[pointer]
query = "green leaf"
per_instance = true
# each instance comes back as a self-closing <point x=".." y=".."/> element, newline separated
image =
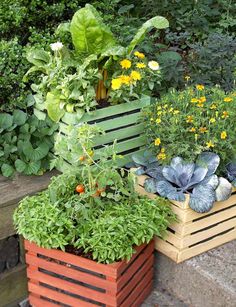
<point x="167" y="56"/>
<point x="53" y="106"/>
<point x="39" y="114"/>
<point x="19" y="117"/>
<point x="6" y="121"/>
<point x="89" y="34"/>
<point x="7" y="170"/>
<point x="157" y="22"/>
<point x="32" y="168"/>
<point x="20" y="165"/>
<point x="35" y="154"/>
<point x="38" y="57"/>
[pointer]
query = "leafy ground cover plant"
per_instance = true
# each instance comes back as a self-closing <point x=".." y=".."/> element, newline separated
<point x="180" y="178"/>
<point x="192" y="121"/>
<point x="93" y="207"/>
<point x="25" y="143"/>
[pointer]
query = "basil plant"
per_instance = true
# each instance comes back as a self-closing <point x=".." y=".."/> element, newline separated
<point x="178" y="179"/>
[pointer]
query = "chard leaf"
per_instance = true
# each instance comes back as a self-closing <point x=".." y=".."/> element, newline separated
<point x="89" y="34"/>
<point x="38" y="57"/>
<point x="165" y="189"/>
<point x="209" y="160"/>
<point x="224" y="189"/>
<point x="157" y="22"/>
<point x="202" y="198"/>
<point x="53" y="106"/>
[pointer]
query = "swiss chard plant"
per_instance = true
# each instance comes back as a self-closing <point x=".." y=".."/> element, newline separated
<point x="180" y="178"/>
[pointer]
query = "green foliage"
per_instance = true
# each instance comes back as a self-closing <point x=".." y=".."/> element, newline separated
<point x="192" y="121"/>
<point x="214" y="62"/>
<point x="25" y="143"/>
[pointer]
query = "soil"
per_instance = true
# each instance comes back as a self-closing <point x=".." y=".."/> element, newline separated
<point x="78" y="252"/>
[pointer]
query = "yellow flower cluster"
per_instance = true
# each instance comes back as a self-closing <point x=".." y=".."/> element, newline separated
<point x="125" y="80"/>
<point x="139" y="55"/>
<point x="162" y="154"/>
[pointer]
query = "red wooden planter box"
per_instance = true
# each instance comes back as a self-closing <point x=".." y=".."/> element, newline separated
<point x="59" y="278"/>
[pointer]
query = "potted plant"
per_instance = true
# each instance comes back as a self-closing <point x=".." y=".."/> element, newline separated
<point x="89" y="235"/>
<point x="191" y="137"/>
<point x="88" y="82"/>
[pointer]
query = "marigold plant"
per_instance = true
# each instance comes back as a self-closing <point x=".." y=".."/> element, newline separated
<point x="133" y="77"/>
<point x="190" y="122"/>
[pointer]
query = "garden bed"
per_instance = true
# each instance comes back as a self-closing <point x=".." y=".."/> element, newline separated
<point x="85" y="282"/>
<point x="195" y="233"/>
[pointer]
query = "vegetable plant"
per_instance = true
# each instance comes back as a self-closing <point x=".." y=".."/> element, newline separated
<point x="231" y="172"/>
<point x="92" y="206"/>
<point x="180" y="178"/>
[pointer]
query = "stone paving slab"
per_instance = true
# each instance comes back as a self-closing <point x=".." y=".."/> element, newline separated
<point x="208" y="280"/>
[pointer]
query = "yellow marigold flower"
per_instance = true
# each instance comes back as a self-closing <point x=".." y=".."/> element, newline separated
<point x="225" y="114"/>
<point x="165" y="106"/>
<point x="200" y="105"/>
<point x="228" y="99"/>
<point x="213" y="106"/>
<point x="194" y="100"/>
<point x="161" y="155"/>
<point x="203" y="129"/>
<point x="202" y="99"/>
<point x="200" y="87"/>
<point x="158" y="120"/>
<point x="151" y="119"/>
<point x="192" y="129"/>
<point x="135" y="75"/>
<point x="223" y="135"/>
<point x="157" y="142"/>
<point x="210" y="144"/>
<point x="159" y="113"/>
<point x="125" y="79"/>
<point x="187" y="78"/>
<point x="125" y="63"/>
<point x="159" y="108"/>
<point x="139" y="55"/>
<point x="212" y="120"/>
<point x="116" y="83"/>
<point x="189" y="119"/>
<point x="171" y="109"/>
<point x="140" y="65"/>
<point x="176" y="111"/>
<point x="153" y="65"/>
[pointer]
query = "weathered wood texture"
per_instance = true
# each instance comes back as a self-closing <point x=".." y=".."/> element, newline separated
<point x="86" y="283"/>
<point x="120" y="122"/>
<point x="13" y="283"/>
<point x="195" y="233"/>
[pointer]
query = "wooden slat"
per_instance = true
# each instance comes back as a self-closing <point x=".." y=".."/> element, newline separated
<point x="210" y="232"/>
<point x="138" y="288"/>
<point x="203" y="247"/>
<point x="105" y="112"/>
<point x="84" y="263"/>
<point x="71" y="287"/>
<point x="134" y="268"/>
<point x="38" y="302"/>
<point x="71" y="273"/>
<point x="167" y="249"/>
<point x="144" y="293"/>
<point x="191" y="227"/>
<point x="12" y="191"/>
<point x="57" y="296"/>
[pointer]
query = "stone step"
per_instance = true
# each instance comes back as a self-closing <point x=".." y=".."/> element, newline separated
<point x="207" y="280"/>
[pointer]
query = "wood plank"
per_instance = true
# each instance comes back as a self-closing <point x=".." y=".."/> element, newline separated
<point x="205" y="234"/>
<point x="71" y="287"/>
<point x="191" y="227"/>
<point x="38" y="302"/>
<point x="6" y="221"/>
<point x="143" y="295"/>
<point x="105" y="112"/>
<point x="12" y="191"/>
<point x="13" y="285"/>
<point x="57" y="296"/>
<point x="167" y="249"/>
<point x="106" y="269"/>
<point x="206" y="246"/>
<point x="70" y="273"/>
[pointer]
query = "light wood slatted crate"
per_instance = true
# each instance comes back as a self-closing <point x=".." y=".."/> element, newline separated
<point x="120" y="122"/>
<point x="195" y="233"/>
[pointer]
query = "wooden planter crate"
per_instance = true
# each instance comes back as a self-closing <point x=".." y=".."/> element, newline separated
<point x="120" y="122"/>
<point x="59" y="277"/>
<point x="195" y="233"/>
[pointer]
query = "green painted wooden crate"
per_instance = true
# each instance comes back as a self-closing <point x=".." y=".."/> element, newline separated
<point x="120" y="123"/>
